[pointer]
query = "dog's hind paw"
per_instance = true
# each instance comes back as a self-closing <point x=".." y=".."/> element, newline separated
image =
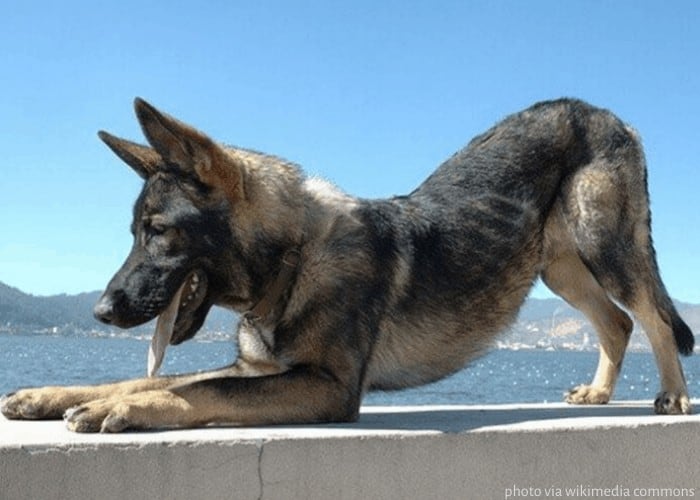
<point x="587" y="395"/>
<point x="669" y="403"/>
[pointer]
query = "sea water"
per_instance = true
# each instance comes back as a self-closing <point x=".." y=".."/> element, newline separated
<point x="501" y="376"/>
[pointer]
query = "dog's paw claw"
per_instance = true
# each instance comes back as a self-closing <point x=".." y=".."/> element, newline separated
<point x="83" y="419"/>
<point x="98" y="416"/>
<point x="114" y="423"/>
<point x="73" y="413"/>
<point x="669" y="403"/>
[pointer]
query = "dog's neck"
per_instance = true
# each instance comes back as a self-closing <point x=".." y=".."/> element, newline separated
<point x="290" y="263"/>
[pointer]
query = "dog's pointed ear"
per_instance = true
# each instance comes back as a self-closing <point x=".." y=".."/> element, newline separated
<point x="144" y="160"/>
<point x="191" y="151"/>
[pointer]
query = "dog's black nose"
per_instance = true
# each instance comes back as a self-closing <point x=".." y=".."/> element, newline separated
<point x="104" y="310"/>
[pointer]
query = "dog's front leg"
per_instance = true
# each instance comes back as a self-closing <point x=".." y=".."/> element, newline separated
<point x="51" y="402"/>
<point x="300" y="395"/>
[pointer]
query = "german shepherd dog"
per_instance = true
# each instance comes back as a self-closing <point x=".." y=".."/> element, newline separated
<point x="339" y="295"/>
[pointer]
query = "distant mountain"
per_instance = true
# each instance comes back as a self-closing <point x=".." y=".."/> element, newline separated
<point x="72" y="314"/>
<point x="553" y="324"/>
<point x="28" y="311"/>
<point x="542" y="323"/>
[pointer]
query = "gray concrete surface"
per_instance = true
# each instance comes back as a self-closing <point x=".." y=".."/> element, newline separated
<point x="466" y="452"/>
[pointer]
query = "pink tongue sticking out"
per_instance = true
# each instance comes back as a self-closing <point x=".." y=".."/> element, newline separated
<point x="164" y="331"/>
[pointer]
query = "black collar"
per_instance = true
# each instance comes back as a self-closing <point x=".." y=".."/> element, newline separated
<point x="290" y="263"/>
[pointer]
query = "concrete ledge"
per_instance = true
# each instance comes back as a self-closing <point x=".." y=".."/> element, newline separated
<point x="466" y="452"/>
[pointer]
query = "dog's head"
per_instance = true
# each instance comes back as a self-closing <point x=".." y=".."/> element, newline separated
<point x="199" y="239"/>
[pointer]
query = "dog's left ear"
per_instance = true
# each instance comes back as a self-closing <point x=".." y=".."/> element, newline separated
<point x="191" y="151"/>
<point x="144" y="160"/>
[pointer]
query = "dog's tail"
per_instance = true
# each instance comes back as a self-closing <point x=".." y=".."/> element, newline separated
<point x="683" y="336"/>
<point x="685" y="341"/>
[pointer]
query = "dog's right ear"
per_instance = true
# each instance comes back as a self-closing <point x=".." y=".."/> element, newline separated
<point x="191" y="151"/>
<point x="144" y="160"/>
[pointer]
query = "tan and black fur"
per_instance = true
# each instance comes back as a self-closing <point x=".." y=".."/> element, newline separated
<point x="340" y="295"/>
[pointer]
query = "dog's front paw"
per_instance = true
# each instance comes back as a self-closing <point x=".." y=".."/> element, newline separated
<point x="587" y="395"/>
<point x="35" y="404"/>
<point x="146" y="410"/>
<point x="669" y="403"/>
<point x="87" y="417"/>
<point x="102" y="415"/>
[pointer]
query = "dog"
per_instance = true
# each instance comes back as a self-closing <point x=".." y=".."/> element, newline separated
<point x="339" y="295"/>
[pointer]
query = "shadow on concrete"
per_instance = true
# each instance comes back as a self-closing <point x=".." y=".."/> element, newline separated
<point x="463" y="419"/>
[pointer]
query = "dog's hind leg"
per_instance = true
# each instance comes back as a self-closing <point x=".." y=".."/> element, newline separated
<point x="606" y="209"/>
<point x="663" y="325"/>
<point x="567" y="276"/>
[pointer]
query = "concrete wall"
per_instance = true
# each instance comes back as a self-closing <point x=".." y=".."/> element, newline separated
<point x="465" y="452"/>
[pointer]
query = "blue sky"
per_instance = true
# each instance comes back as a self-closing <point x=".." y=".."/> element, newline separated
<point x="370" y="95"/>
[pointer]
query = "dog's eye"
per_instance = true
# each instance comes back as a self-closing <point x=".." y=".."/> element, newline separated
<point x="153" y="225"/>
<point x="155" y="229"/>
<point x="152" y="229"/>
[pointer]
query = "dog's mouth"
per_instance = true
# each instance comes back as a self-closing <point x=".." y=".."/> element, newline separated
<point x="181" y="319"/>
